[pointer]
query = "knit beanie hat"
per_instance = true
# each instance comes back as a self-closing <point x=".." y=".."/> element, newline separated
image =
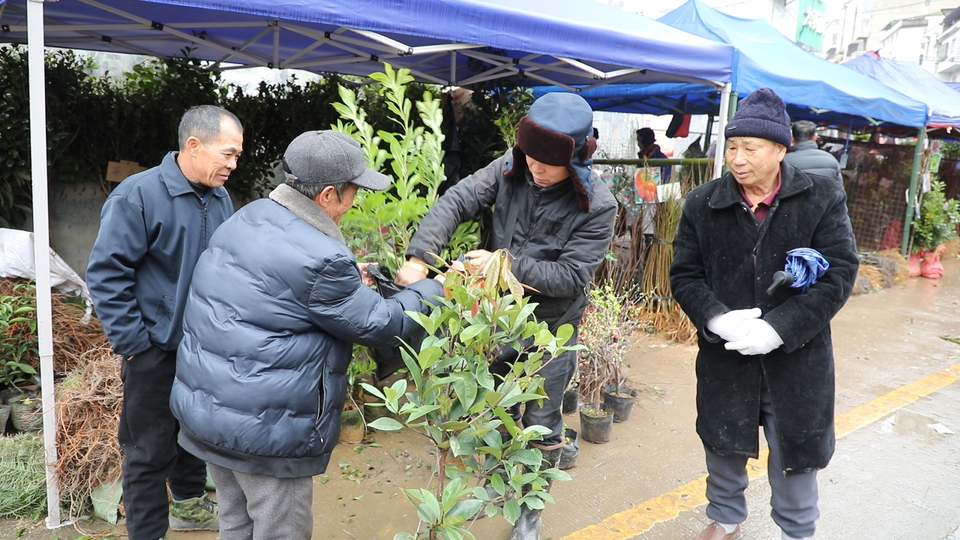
<point x="761" y="114"/>
<point x="558" y="130"/>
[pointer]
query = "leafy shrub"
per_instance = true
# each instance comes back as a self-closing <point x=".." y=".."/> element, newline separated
<point x="461" y="408"/>
<point x="938" y="219"/>
<point x="18" y="335"/>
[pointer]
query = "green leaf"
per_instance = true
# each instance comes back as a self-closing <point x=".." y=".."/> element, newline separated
<point x="386" y="424"/>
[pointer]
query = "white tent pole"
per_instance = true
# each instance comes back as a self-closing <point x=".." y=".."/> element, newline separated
<point x="41" y="251"/>
<point x="721" y="125"/>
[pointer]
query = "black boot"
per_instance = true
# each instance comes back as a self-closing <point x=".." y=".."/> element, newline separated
<point x="528" y="525"/>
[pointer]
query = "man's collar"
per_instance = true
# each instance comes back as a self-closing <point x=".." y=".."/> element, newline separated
<point x="306" y="209"/>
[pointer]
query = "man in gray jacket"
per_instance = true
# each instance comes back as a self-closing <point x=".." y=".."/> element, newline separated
<point x="153" y="227"/>
<point x="276" y="304"/>
<point x="807" y="156"/>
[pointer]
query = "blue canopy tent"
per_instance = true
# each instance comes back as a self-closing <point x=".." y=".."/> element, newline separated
<point x="449" y="42"/>
<point x="911" y="79"/>
<point x="813" y="88"/>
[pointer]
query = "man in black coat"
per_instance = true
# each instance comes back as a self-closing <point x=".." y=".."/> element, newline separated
<point x="766" y="357"/>
<point x="807" y="156"/>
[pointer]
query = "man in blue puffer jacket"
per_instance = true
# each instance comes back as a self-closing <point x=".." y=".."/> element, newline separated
<point x="276" y="303"/>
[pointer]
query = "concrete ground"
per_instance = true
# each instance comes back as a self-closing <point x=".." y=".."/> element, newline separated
<point x="895" y="475"/>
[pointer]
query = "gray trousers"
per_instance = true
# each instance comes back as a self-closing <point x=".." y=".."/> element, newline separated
<point x="256" y="507"/>
<point x="793" y="498"/>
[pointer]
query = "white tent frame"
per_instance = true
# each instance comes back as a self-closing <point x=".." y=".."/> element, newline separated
<point x="535" y="66"/>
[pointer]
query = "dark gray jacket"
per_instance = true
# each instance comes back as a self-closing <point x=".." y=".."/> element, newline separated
<point x="556" y="246"/>
<point x="724" y="259"/>
<point x="153" y="227"/>
<point x="275" y="307"/>
<point x="807" y="157"/>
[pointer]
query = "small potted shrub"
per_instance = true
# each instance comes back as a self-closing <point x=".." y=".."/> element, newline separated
<point x="605" y="332"/>
<point x="937" y="223"/>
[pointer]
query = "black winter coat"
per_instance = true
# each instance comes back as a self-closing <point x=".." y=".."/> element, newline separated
<point x="724" y="259"/>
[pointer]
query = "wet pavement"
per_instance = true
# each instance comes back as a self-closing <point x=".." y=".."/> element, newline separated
<point x="895" y="474"/>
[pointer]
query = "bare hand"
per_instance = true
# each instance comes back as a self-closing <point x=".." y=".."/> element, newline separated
<point x="411" y="272"/>
<point x="477" y="258"/>
<point x="366" y="278"/>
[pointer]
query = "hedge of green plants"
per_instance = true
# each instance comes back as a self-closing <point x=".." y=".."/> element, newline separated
<point x="92" y="121"/>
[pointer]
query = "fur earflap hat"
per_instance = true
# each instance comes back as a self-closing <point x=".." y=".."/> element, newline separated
<point x="558" y="130"/>
<point x="761" y="114"/>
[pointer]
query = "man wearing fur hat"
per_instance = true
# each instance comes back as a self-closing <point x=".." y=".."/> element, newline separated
<point x="556" y="218"/>
<point x="765" y="356"/>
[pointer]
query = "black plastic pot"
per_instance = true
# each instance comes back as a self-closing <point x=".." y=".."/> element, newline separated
<point x="571" y="449"/>
<point x="619" y="401"/>
<point x="571" y="401"/>
<point x="595" y="428"/>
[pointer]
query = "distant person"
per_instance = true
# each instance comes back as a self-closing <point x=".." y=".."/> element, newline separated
<point x="153" y="227"/>
<point x="765" y="358"/>
<point x="807" y="156"/>
<point x="649" y="148"/>
<point x="276" y="304"/>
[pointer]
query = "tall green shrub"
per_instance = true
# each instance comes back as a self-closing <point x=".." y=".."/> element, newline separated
<point x="462" y="409"/>
<point x="381" y="223"/>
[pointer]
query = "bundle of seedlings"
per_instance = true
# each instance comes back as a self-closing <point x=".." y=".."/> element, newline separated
<point x="89" y="400"/>
<point x="668" y="319"/>
<point x="22" y="477"/>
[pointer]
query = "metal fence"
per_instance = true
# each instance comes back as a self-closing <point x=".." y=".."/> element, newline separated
<point x="876" y="178"/>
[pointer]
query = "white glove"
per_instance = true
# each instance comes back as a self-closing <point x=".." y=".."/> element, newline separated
<point x="761" y="338"/>
<point x="729" y="326"/>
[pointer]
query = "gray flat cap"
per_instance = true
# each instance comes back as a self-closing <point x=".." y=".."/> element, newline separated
<point x="329" y="157"/>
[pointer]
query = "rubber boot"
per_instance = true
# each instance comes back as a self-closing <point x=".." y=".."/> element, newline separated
<point x="528" y="525"/>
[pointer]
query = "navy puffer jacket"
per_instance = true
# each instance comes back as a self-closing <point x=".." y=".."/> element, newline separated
<point x="273" y="310"/>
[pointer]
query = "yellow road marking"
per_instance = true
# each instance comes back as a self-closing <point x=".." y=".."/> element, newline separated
<point x="641" y="518"/>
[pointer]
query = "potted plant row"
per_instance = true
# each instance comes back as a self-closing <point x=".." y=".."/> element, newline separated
<point x="605" y="331"/>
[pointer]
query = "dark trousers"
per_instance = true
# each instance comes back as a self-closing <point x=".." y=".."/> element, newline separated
<point x="556" y="373"/>
<point x="793" y="498"/>
<point x="148" y="438"/>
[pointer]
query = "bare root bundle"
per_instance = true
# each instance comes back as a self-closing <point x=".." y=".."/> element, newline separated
<point x="872" y="275"/>
<point x="89" y="412"/>
<point x="71" y="338"/>
<point x="901" y="271"/>
<point x="952" y="247"/>
<point x="671" y="322"/>
<point x="629" y="251"/>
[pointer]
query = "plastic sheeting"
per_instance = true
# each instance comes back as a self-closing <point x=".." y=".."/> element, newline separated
<point x="17" y="261"/>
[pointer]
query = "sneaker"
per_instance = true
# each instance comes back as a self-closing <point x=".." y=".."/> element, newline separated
<point x="196" y="514"/>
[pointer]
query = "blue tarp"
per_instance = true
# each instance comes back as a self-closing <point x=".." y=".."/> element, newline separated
<point x="812" y="87"/>
<point x="911" y="79"/>
<point x="529" y="42"/>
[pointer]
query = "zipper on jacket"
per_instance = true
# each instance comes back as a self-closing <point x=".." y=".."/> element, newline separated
<point x="531" y="222"/>
<point x="203" y="220"/>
